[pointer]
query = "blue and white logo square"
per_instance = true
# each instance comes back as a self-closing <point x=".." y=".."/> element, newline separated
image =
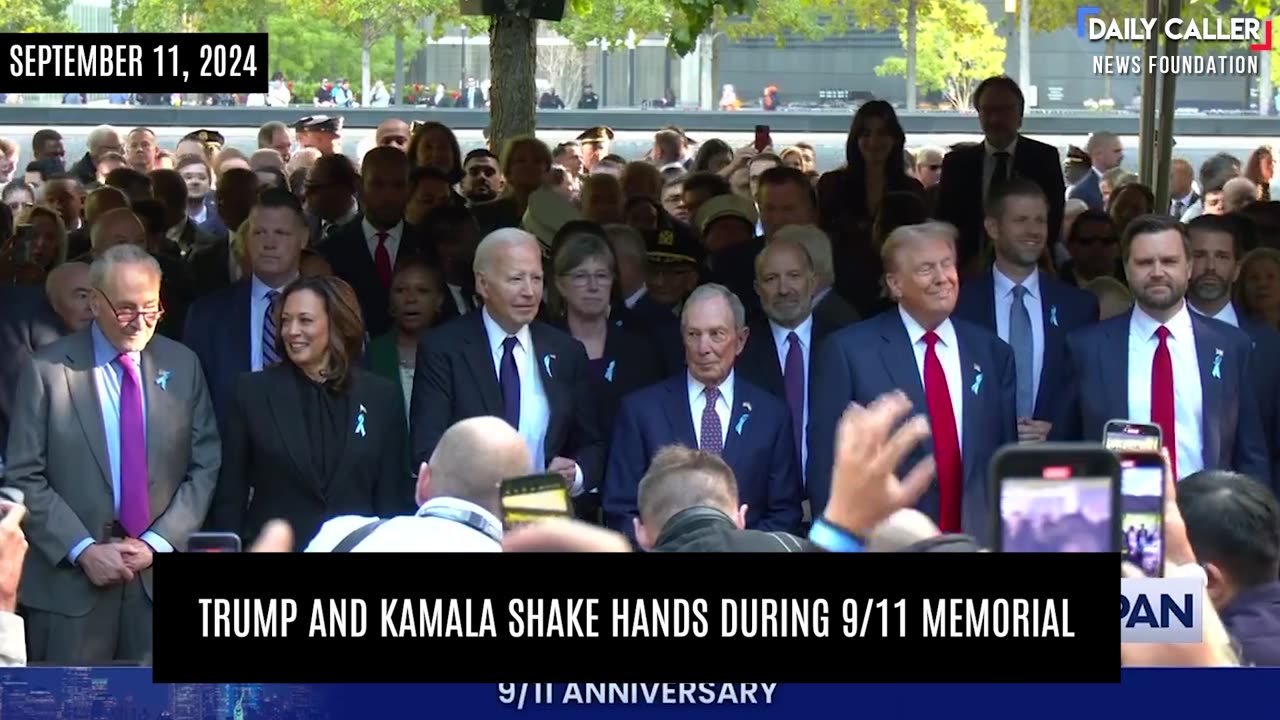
<point x="1161" y="610"/>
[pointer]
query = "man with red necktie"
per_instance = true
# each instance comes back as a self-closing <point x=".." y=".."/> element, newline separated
<point x="1163" y="364"/>
<point x="959" y="374"/>
<point x="366" y="251"/>
<point x="115" y="447"/>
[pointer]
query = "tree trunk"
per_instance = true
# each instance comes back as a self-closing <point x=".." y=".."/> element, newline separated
<point x="513" y="55"/>
<point x="913" y="11"/>
<point x="366" y="47"/>
<point x="397" y="93"/>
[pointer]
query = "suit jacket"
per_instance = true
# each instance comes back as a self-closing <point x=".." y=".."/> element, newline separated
<point x="834" y="312"/>
<point x="1089" y="189"/>
<point x="758" y="446"/>
<point x="455" y="380"/>
<point x="265" y="449"/>
<point x="1264" y="374"/>
<point x="1064" y="308"/>
<point x="210" y="267"/>
<point x="862" y="362"/>
<point x="960" y="194"/>
<point x="661" y="324"/>
<point x="348" y="254"/>
<point x="1099" y="391"/>
<point x="58" y="457"/>
<point x="218" y="333"/>
<point x="27" y="324"/>
<point x="630" y="362"/>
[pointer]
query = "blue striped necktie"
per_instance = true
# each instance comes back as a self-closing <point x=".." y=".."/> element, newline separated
<point x="269" y="355"/>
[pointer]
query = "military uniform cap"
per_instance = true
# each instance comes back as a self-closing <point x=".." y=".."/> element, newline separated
<point x="206" y="137"/>
<point x="597" y="134"/>
<point x="319" y="123"/>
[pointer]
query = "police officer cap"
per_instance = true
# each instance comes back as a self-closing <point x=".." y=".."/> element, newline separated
<point x="206" y="137"/>
<point x="672" y="246"/>
<point x="319" y="123"/>
<point x="597" y="134"/>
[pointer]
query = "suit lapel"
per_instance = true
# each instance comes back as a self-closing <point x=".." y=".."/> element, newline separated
<point x="973" y="368"/>
<point x="1054" y="339"/>
<point x="84" y="396"/>
<point x="480" y="361"/>
<point x="900" y="359"/>
<point x="557" y="394"/>
<point x="1209" y="354"/>
<point x="157" y="404"/>
<point x="285" y="403"/>
<point x="1115" y="369"/>
<point x="355" y="401"/>
<point x="679" y="411"/>
<point x="739" y="422"/>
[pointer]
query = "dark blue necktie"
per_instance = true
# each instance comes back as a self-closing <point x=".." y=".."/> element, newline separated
<point x="509" y="379"/>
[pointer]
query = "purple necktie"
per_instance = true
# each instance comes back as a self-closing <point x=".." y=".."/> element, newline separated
<point x="712" y="431"/>
<point x="793" y="379"/>
<point x="509" y="379"/>
<point x="135" y="502"/>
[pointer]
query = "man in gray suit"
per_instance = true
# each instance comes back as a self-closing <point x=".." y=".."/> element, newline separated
<point x="115" y="445"/>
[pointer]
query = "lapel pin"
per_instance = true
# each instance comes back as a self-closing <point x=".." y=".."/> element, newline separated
<point x="747" y="406"/>
<point x="608" y="372"/>
<point x="742" y="421"/>
<point x="1217" y="364"/>
<point x="1053" y="315"/>
<point x="546" y="363"/>
<point x="360" y="421"/>
<point x="162" y="379"/>
<point x="977" y="381"/>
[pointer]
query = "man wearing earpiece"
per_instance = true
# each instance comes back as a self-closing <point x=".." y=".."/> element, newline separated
<point x="688" y="502"/>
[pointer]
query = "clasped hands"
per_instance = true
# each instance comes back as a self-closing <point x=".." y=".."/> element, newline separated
<point x="115" y="562"/>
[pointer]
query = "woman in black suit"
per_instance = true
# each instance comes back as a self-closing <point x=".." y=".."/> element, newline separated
<point x="314" y="436"/>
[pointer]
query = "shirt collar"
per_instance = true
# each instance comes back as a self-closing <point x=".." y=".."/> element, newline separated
<point x="104" y="353"/>
<point x="696" y="388"/>
<point x="1227" y="314"/>
<point x="371" y="232"/>
<point x="1004" y="284"/>
<point x="992" y="149"/>
<point x="497" y="335"/>
<point x="946" y="331"/>
<point x="260" y="288"/>
<point x="1144" y="326"/>
<point x="804" y="331"/>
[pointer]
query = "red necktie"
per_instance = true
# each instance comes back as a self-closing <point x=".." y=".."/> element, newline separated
<point x="946" y="442"/>
<point x="382" y="261"/>
<point x="1162" y="412"/>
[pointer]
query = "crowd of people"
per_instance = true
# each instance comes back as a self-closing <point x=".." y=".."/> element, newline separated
<point x="198" y="339"/>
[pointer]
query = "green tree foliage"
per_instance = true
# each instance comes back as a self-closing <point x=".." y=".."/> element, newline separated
<point x="32" y="16"/>
<point x="958" y="47"/>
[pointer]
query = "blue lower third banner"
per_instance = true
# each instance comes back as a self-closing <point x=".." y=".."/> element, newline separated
<point x="130" y="694"/>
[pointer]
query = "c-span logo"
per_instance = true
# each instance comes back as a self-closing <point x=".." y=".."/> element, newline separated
<point x="1161" y="610"/>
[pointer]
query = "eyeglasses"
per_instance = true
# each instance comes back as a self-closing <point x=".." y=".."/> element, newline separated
<point x="583" y="279"/>
<point x="128" y="315"/>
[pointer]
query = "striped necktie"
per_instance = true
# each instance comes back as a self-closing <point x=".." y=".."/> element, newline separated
<point x="269" y="355"/>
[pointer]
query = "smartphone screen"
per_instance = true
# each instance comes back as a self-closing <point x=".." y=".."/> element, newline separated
<point x="763" y="138"/>
<point x="213" y="542"/>
<point x="1142" y="511"/>
<point x="1122" y="436"/>
<point x="1051" y="514"/>
<point x="533" y="498"/>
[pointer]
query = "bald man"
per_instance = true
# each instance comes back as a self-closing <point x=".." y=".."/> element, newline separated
<point x="457" y="498"/>
<point x="122" y="227"/>
<point x="392" y="132"/>
<point x="69" y="291"/>
<point x="503" y="362"/>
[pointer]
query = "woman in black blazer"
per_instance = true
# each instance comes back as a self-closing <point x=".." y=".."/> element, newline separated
<point x="314" y="436"/>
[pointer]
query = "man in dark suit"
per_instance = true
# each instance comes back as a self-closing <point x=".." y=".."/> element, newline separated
<point x="331" y="189"/>
<point x="500" y="361"/>
<point x="1163" y="364"/>
<point x="1031" y="311"/>
<point x="780" y="348"/>
<point x="365" y="252"/>
<point x="709" y="408"/>
<point x="1106" y="152"/>
<point x="233" y="331"/>
<point x="27" y="324"/>
<point x="1216" y="251"/>
<point x="969" y="173"/>
<point x="115" y="447"/>
<point x="211" y="264"/>
<point x="959" y="374"/>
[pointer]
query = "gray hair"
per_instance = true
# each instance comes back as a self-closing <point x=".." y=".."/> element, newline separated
<point x="100" y="133"/>
<point x="626" y="241"/>
<point x="710" y="291"/>
<point x="817" y="243"/>
<point x="499" y="240"/>
<point x="1096" y="140"/>
<point x="455" y="472"/>
<point x="788" y="241"/>
<point x="103" y="267"/>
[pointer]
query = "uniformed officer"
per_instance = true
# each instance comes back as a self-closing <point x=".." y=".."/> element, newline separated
<point x="210" y="143"/>
<point x="321" y="132"/>
<point x="595" y="145"/>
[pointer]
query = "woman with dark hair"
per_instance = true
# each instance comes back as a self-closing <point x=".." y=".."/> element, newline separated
<point x="1261" y="169"/>
<point x="850" y="198"/>
<point x="433" y="144"/>
<point x="417" y="299"/>
<point x="714" y="155"/>
<point x="313" y="436"/>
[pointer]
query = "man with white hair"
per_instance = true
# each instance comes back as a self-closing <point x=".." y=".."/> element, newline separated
<point x="457" y="497"/>
<point x="503" y="362"/>
<point x="115" y="447"/>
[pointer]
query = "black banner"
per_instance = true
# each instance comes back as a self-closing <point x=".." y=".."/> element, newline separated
<point x="202" y="63"/>
<point x="818" y="617"/>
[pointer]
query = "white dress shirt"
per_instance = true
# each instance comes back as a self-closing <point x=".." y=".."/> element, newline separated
<point x="723" y="407"/>
<point x="1227" y="314"/>
<point x="392" y="242"/>
<point x="535" y="409"/>
<point x="1034" y="302"/>
<point x="948" y="351"/>
<point x="803" y="331"/>
<point x="258" y="304"/>
<point x="989" y="162"/>
<point x="412" y="533"/>
<point x="1188" y="396"/>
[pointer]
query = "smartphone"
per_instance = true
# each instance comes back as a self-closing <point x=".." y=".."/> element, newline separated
<point x="1124" y="436"/>
<point x="213" y="542"/>
<point x="534" y="497"/>
<point x="1056" y="497"/>
<point x="764" y="139"/>
<point x="23" y="238"/>
<point x="1142" y="510"/>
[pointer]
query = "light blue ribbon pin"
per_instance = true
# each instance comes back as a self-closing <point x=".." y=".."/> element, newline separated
<point x="1217" y="365"/>
<point x="1053" y="316"/>
<point x="162" y="379"/>
<point x="360" y="422"/>
<point x="608" y="372"/>
<point x="741" y="421"/>
<point x="546" y="363"/>
<point x="977" y="381"/>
